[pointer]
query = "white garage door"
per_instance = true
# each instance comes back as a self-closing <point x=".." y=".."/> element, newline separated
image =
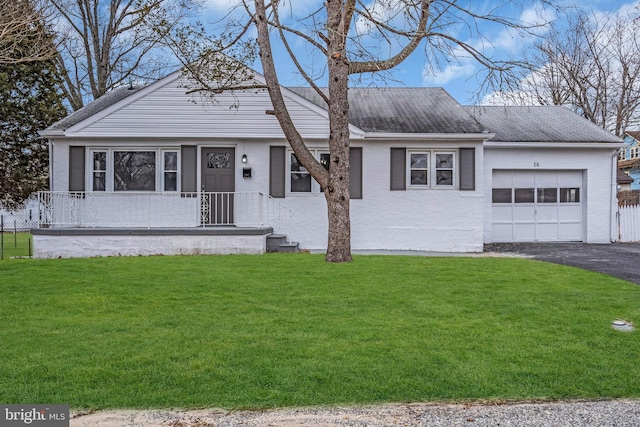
<point x="537" y="206"/>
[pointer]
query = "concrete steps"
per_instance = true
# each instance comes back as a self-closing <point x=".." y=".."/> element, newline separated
<point x="278" y="243"/>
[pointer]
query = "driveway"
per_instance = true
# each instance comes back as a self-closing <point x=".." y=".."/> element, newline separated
<point x="620" y="260"/>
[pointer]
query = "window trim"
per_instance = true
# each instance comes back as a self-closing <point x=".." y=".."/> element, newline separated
<point x="109" y="173"/>
<point x="432" y="170"/>
<point x="164" y="170"/>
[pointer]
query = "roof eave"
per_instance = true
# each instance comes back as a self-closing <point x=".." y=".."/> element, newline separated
<point x="428" y="136"/>
<point x="51" y="133"/>
<point x="555" y="144"/>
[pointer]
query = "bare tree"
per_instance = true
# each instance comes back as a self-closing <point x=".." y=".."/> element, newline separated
<point x="353" y="38"/>
<point x="107" y="43"/>
<point x="23" y="32"/>
<point x="591" y="64"/>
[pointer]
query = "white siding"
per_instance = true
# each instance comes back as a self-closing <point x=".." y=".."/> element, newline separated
<point x="167" y="111"/>
<point x="439" y="220"/>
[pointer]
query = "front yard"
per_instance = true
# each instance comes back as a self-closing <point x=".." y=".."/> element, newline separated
<point x="291" y="330"/>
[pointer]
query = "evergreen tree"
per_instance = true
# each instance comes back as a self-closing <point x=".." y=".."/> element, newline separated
<point x="29" y="101"/>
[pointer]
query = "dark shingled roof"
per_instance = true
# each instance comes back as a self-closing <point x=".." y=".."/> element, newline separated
<point x="94" y="107"/>
<point x="402" y="110"/>
<point x="623" y="178"/>
<point x="539" y="124"/>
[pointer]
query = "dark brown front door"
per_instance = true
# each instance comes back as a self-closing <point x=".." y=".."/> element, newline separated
<point x="218" y="184"/>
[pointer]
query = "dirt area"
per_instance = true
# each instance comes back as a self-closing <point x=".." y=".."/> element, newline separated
<point x="593" y="414"/>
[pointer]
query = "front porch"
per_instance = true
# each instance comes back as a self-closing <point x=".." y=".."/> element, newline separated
<point x="88" y="224"/>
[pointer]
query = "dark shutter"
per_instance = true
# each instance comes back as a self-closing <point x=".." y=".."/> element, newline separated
<point x="189" y="168"/>
<point x="277" y="172"/>
<point x="355" y="178"/>
<point x="76" y="168"/>
<point x="467" y="169"/>
<point x="398" y="169"/>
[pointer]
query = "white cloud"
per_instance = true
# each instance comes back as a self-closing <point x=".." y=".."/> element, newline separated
<point x="511" y="40"/>
<point x="448" y="74"/>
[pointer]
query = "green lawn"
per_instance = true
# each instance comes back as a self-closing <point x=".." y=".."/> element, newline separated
<point x="290" y="329"/>
<point x="15" y="245"/>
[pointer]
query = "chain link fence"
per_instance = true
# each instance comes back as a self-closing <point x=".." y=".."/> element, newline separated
<point x="15" y="239"/>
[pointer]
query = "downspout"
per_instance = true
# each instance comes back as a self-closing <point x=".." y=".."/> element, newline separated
<point x="50" y="165"/>
<point x="614" y="223"/>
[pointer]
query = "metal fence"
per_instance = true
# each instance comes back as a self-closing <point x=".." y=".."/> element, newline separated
<point x="22" y="219"/>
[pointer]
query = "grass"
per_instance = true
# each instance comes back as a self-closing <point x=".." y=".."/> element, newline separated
<point x="292" y="330"/>
<point x="15" y="245"/>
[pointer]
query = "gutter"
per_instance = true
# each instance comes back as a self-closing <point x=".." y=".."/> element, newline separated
<point x="427" y="136"/>
<point x="559" y="144"/>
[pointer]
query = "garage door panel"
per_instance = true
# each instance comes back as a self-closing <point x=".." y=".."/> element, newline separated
<point x="523" y="179"/>
<point x="502" y="179"/>
<point x="502" y="232"/>
<point x="570" y="232"/>
<point x="570" y="178"/>
<point x="547" y="213"/>
<point x="523" y="213"/>
<point x="503" y="214"/>
<point x="547" y="231"/>
<point x="570" y="213"/>
<point x="546" y="179"/>
<point x="524" y="232"/>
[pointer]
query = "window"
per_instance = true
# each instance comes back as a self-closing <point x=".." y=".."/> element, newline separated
<point x="134" y="170"/>
<point x="99" y="170"/>
<point x="524" y="195"/>
<point x="501" y="195"/>
<point x="635" y="152"/>
<point x="548" y="195"/>
<point x="431" y="169"/>
<point x="170" y="169"/>
<point x="569" y="195"/>
<point x="444" y="169"/>
<point x="419" y="169"/>
<point x="300" y="180"/>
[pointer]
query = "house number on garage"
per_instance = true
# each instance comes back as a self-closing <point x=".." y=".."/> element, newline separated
<point x="536" y="164"/>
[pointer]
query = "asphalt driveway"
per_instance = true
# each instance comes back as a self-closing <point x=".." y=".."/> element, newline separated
<point x="620" y="260"/>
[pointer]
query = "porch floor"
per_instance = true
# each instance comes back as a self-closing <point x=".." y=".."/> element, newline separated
<point x="217" y="230"/>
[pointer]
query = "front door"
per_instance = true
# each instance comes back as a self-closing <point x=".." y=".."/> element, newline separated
<point x="218" y="185"/>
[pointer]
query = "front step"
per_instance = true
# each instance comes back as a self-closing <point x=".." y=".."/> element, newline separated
<point x="278" y="243"/>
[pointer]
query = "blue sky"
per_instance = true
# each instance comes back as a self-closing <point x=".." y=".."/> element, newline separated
<point x="459" y="74"/>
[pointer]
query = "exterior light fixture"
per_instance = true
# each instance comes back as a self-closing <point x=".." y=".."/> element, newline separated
<point x="244" y="158"/>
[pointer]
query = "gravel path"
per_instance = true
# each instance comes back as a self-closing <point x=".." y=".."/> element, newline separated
<point x="618" y="413"/>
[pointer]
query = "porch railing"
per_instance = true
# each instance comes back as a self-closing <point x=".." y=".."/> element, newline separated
<point x="161" y="210"/>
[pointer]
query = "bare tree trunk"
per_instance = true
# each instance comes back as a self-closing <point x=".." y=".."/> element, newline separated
<point x="337" y="192"/>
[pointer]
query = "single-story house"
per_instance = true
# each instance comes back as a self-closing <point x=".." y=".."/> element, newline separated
<point x="154" y="170"/>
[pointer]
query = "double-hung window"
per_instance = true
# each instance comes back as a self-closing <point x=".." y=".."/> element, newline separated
<point x="134" y="170"/>
<point x="300" y="180"/>
<point x="431" y="169"/>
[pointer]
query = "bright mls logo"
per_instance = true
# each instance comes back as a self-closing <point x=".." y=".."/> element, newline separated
<point x="34" y="415"/>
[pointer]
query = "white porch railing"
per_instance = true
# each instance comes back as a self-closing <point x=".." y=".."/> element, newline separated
<point x="629" y="223"/>
<point x="161" y="210"/>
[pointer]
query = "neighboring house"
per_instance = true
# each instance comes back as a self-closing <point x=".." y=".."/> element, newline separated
<point x="629" y="158"/>
<point x="155" y="170"/>
<point x="624" y="181"/>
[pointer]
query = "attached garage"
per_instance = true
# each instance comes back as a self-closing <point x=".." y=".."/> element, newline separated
<point x="548" y="176"/>
<point x="537" y="205"/>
